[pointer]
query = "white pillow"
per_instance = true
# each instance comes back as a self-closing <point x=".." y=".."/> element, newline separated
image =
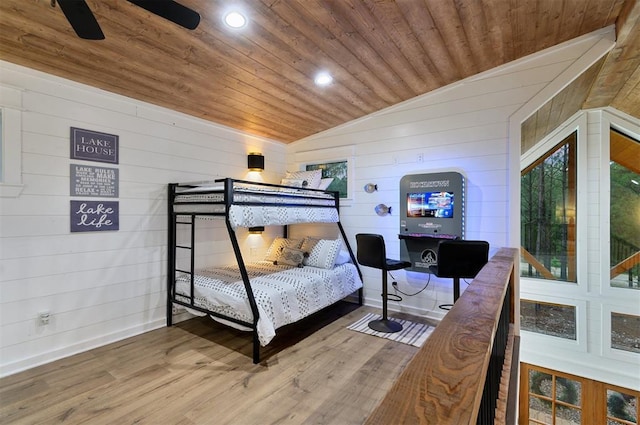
<point x="293" y="182"/>
<point x="324" y="183"/>
<point x="311" y="177"/>
<point x="343" y="257"/>
<point x="323" y="254"/>
<point x="278" y="244"/>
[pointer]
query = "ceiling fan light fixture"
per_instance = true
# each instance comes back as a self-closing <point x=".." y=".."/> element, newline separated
<point x="235" y="19"/>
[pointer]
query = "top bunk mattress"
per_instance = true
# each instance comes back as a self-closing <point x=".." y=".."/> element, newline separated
<point x="258" y="205"/>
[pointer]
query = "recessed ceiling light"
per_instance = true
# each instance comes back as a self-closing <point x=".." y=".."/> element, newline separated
<point x="323" y="79"/>
<point x="235" y="20"/>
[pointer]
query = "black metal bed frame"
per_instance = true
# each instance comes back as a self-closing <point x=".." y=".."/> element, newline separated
<point x="179" y="218"/>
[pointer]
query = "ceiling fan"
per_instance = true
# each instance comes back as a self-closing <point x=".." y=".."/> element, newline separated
<point x="84" y="23"/>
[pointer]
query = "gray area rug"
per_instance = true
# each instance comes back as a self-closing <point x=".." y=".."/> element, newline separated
<point x="412" y="333"/>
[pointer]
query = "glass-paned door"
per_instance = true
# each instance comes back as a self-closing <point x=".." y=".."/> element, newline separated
<point x="622" y="407"/>
<point x="553" y="399"/>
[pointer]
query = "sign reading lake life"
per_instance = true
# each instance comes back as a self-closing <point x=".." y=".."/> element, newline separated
<point x="94" y="181"/>
<point x="94" y="216"/>
<point x="94" y="146"/>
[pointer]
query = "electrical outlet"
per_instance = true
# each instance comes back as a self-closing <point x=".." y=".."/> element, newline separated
<point x="420" y="157"/>
<point x="44" y="317"/>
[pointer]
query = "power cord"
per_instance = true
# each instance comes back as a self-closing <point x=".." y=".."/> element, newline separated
<point x="394" y="283"/>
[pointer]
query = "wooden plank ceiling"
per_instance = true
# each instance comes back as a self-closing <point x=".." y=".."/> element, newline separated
<point x="260" y="79"/>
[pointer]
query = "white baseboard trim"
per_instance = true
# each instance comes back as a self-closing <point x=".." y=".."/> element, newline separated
<point x="80" y="347"/>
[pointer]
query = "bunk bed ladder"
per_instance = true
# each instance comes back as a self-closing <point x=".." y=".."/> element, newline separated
<point x="192" y="253"/>
<point x="174" y="220"/>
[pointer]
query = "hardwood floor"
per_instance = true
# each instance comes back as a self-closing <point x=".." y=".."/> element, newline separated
<point x="200" y="372"/>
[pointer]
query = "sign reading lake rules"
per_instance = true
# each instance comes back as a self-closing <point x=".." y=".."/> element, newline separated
<point x="94" y="146"/>
<point x="94" y="216"/>
<point x="99" y="182"/>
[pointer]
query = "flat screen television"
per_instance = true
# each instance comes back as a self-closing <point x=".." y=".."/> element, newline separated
<point x="430" y="204"/>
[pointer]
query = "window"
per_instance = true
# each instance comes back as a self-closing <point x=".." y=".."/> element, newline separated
<point x="624" y="253"/>
<point x="625" y="332"/>
<point x="10" y="142"/>
<point x="548" y="214"/>
<point x="554" y="398"/>
<point x="557" y="320"/>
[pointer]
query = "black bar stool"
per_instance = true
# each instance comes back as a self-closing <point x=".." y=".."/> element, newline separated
<point x="372" y="253"/>
<point x="459" y="259"/>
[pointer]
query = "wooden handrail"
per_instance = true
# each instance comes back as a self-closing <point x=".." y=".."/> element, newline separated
<point x="529" y="258"/>
<point x="625" y="265"/>
<point x="444" y="382"/>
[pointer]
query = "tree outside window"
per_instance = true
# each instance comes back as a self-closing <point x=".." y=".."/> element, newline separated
<point x="548" y="214"/>
<point x="624" y="253"/>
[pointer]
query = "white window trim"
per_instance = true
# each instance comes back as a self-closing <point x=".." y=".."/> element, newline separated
<point x="11" y="104"/>
<point x="539" y="285"/>
<point x="607" y="350"/>
<point x="534" y="339"/>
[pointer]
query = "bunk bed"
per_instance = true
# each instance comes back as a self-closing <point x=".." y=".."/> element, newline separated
<point x="260" y="296"/>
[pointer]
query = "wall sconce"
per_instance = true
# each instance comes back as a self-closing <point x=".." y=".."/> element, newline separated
<point x="370" y="187"/>
<point x="255" y="161"/>
<point x="256" y="230"/>
<point x="382" y="210"/>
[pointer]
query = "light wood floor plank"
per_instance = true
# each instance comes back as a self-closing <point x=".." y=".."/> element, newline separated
<point x="200" y="372"/>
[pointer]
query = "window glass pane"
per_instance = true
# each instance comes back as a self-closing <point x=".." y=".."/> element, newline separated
<point x="540" y="410"/>
<point x="622" y="406"/>
<point x="625" y="332"/>
<point x="548" y="215"/>
<point x="549" y="319"/>
<point x="568" y="391"/>
<point x="625" y="211"/>
<point x="540" y="383"/>
<point x="568" y="415"/>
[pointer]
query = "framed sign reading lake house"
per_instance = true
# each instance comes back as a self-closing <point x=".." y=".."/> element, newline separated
<point x="91" y="145"/>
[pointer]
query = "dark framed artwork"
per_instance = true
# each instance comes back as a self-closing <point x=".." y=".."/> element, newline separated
<point x="338" y="171"/>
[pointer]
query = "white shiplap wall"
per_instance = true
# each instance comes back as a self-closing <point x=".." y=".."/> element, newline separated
<point x="463" y="127"/>
<point x="99" y="286"/>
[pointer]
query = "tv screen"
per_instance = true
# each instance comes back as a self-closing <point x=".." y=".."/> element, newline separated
<point x="430" y="204"/>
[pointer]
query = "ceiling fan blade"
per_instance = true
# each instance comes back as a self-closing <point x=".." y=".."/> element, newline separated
<point x="81" y="18"/>
<point x="171" y="10"/>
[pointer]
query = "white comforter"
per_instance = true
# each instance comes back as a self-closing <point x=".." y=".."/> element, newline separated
<point x="284" y="294"/>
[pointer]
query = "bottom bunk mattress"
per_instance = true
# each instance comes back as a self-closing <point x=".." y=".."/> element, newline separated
<point x="283" y="294"/>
